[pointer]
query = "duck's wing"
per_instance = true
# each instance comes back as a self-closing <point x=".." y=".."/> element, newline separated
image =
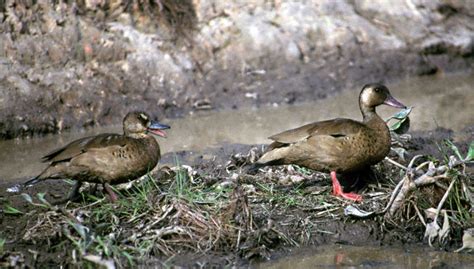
<point x="316" y="145"/>
<point x="81" y="145"/>
<point x="334" y="128"/>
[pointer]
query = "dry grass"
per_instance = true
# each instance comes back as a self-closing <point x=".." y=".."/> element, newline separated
<point x="227" y="213"/>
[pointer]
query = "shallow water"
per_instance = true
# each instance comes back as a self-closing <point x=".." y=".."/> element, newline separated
<point x="446" y="101"/>
<point x="343" y="256"/>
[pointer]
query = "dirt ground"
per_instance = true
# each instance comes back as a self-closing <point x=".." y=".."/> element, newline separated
<point x="299" y="212"/>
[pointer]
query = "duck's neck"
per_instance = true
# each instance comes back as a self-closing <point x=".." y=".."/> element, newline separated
<point x="136" y="135"/>
<point x="368" y="113"/>
<point x="381" y="133"/>
<point x="372" y="119"/>
<point x="153" y="149"/>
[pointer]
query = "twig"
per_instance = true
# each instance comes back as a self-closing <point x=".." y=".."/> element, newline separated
<point x="395" y="163"/>
<point x="445" y="196"/>
<point x="413" y="161"/>
<point x="92" y="204"/>
<point x="162" y="217"/>
<point x="392" y="197"/>
<point x="420" y="216"/>
<point x="407" y="185"/>
<point x="422" y="165"/>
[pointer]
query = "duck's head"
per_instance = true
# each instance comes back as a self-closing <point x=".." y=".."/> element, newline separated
<point x="138" y="124"/>
<point x="375" y="94"/>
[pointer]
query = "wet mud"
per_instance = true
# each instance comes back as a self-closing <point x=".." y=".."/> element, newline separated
<point x="295" y="222"/>
<point x="299" y="214"/>
<point x="334" y="256"/>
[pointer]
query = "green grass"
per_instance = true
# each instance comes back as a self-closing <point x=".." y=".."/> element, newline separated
<point x="303" y="170"/>
<point x="457" y="202"/>
<point x="292" y="197"/>
<point x="9" y="210"/>
<point x="100" y="232"/>
<point x="2" y="245"/>
<point x="183" y="188"/>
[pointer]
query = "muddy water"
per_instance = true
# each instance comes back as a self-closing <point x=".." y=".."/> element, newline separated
<point x="446" y="101"/>
<point x="337" y="256"/>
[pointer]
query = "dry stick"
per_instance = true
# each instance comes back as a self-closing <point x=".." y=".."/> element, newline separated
<point x="395" y="193"/>
<point x="438" y="209"/>
<point x="407" y="186"/>
<point x="427" y="178"/>
<point x="420" y="216"/>
<point x="395" y="163"/>
<point x="410" y="185"/>
<point x="239" y="234"/>
<point x="445" y="196"/>
<point x="413" y="161"/>
<point x="165" y="231"/>
<point x="392" y="197"/>
<point x="422" y="165"/>
<point x="162" y="217"/>
<point x="91" y="204"/>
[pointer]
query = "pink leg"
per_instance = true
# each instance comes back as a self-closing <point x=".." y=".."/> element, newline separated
<point x="337" y="190"/>
<point x="112" y="195"/>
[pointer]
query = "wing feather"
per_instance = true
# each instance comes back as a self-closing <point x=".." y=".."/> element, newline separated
<point x="334" y="128"/>
<point x="80" y="146"/>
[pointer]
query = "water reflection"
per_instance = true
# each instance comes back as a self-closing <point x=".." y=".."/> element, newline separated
<point x="339" y="256"/>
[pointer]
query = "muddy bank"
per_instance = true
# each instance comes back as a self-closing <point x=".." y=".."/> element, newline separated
<point x="86" y="64"/>
<point x="210" y="212"/>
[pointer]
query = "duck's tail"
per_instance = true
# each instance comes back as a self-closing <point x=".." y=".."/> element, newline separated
<point x="20" y="186"/>
<point x="31" y="182"/>
<point x="252" y="169"/>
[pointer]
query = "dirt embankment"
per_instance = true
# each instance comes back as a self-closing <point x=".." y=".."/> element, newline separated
<point x="87" y="63"/>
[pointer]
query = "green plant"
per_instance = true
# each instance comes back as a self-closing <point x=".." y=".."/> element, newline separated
<point x="2" y="244"/>
<point x="401" y="119"/>
<point x="9" y="210"/>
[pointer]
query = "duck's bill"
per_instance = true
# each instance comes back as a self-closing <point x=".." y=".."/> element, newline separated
<point x="390" y="101"/>
<point x="157" y="129"/>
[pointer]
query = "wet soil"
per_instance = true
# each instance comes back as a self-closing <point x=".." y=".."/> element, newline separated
<point x="215" y="161"/>
<point x="292" y="220"/>
<point x="341" y="256"/>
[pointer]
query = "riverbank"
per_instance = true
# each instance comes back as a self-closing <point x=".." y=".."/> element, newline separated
<point x="74" y="66"/>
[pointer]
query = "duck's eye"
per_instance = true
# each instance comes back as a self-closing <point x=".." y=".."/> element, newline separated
<point x="377" y="90"/>
<point x="143" y="116"/>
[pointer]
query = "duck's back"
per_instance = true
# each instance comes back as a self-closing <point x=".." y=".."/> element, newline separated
<point x="341" y="145"/>
<point x="106" y="158"/>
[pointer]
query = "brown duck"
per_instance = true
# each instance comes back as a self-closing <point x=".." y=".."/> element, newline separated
<point x="107" y="158"/>
<point x="338" y="145"/>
